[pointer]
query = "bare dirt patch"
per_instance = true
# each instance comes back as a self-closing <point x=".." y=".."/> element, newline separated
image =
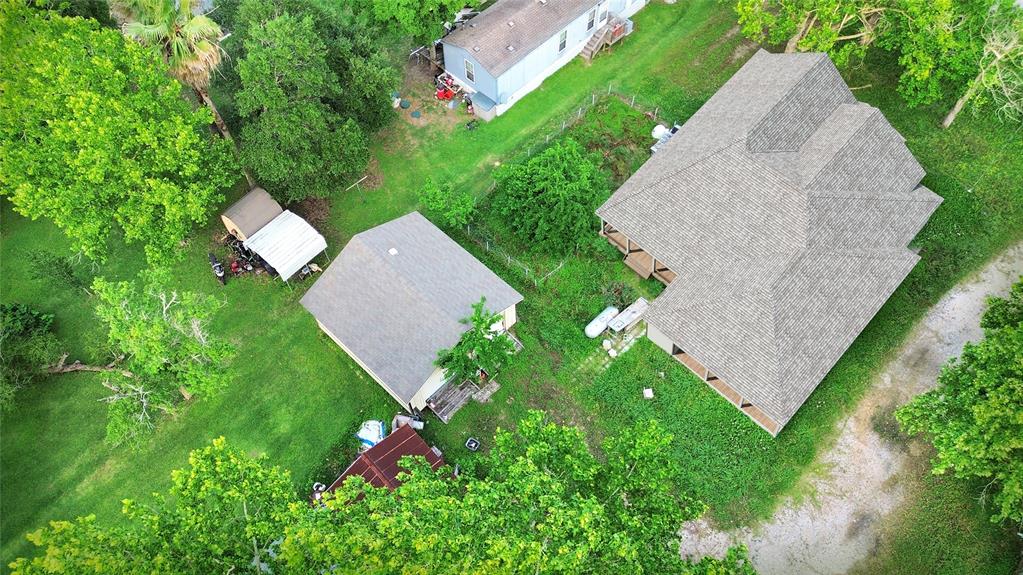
<point x="866" y="475"/>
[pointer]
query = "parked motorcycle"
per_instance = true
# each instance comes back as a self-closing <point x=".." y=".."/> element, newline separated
<point x="218" y="270"/>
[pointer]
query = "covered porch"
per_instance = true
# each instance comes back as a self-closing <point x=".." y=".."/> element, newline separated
<point x="641" y="262"/>
<point x="694" y="365"/>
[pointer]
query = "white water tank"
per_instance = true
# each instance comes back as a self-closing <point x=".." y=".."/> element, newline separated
<point x="660" y="130"/>
<point x="599" y="323"/>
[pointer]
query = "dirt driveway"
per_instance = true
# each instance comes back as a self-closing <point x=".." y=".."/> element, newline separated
<point x="860" y="482"/>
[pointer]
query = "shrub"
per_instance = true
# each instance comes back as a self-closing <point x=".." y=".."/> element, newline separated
<point x="549" y="200"/>
<point x="27" y="344"/>
<point x="453" y="209"/>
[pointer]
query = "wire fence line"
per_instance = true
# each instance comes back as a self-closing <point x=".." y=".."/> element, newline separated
<point x="566" y="121"/>
<point x="534" y="273"/>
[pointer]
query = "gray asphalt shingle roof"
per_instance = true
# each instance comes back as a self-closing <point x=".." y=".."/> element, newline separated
<point x="395" y="311"/>
<point x="785" y="206"/>
<point x="488" y="36"/>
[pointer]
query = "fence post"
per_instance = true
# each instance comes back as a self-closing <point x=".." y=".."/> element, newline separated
<point x="593" y="99"/>
<point x="547" y="140"/>
<point x="562" y="125"/>
<point x="657" y="109"/>
<point x="609" y="88"/>
<point x="580" y="114"/>
<point x="633" y="104"/>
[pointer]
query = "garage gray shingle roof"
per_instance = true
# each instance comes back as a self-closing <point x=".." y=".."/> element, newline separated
<point x="395" y="311"/>
<point x="785" y="207"/>
<point x="488" y="36"/>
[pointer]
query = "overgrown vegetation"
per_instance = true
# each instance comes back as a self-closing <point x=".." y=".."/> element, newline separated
<point x="451" y="208"/>
<point x="27" y="346"/>
<point x="549" y="199"/>
<point x="973" y="417"/>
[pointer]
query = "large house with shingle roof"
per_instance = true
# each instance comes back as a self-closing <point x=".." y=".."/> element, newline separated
<point x="395" y="296"/>
<point x="508" y="50"/>
<point x="779" y="217"/>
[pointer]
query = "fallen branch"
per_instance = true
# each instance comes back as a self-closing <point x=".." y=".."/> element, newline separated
<point x="60" y="367"/>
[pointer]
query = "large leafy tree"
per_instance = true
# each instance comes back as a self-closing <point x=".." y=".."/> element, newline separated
<point x="95" y="136"/>
<point x="549" y="200"/>
<point x="292" y="139"/>
<point x="975" y="416"/>
<point x="188" y="42"/>
<point x="422" y="20"/>
<point x="480" y="347"/>
<point x="842" y="28"/>
<point x="164" y="352"/>
<point x="541" y="502"/>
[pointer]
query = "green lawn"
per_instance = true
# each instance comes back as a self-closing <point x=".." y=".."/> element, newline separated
<point x="296" y="397"/>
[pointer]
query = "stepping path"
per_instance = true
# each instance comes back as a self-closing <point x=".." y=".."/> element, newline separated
<point x="837" y="527"/>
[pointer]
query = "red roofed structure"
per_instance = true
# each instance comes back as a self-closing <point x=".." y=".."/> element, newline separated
<point x="379" y="465"/>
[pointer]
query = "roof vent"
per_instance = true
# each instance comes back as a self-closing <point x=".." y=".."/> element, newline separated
<point x="475" y="48"/>
<point x="511" y="48"/>
<point x="392" y="251"/>
<point x="511" y="23"/>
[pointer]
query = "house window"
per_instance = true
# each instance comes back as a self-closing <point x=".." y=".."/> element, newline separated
<point x="591" y="19"/>
<point x="470" y="72"/>
<point x="562" y="40"/>
<point x="603" y="11"/>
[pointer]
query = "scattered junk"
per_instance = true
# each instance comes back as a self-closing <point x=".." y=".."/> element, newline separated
<point x="371" y="433"/>
<point x="599" y="323"/>
<point x="264" y="235"/>
<point x="606" y="344"/>
<point x="662" y="134"/>
<point x="471" y="125"/>
<point x="416" y="114"/>
<point x="648" y="393"/>
<point x="395" y="100"/>
<point x="218" y="270"/>
<point x="414" y="421"/>
<point x="468" y="105"/>
<point x="447" y="87"/>
<point x="405" y="104"/>
<point x="629" y="317"/>
<point x="472" y="444"/>
<point x="612" y="353"/>
<point x="379" y="464"/>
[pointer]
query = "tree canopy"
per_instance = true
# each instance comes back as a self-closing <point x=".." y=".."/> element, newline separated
<point x="975" y="416"/>
<point x="421" y="20"/>
<point x="164" y="351"/>
<point x="539" y="502"/>
<point x="116" y="148"/>
<point x="480" y="348"/>
<point x="452" y="208"/>
<point x="548" y="201"/>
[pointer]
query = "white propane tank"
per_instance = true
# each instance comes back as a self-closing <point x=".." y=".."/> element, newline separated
<point x="660" y="130"/>
<point x="599" y="323"/>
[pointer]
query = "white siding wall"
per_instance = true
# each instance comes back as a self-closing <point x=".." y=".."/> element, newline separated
<point x="659" y="339"/>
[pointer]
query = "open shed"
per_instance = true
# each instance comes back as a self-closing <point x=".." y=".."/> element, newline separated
<point x="284" y="240"/>
<point x="249" y="214"/>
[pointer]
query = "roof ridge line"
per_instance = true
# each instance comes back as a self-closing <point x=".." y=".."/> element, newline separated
<point x="821" y="57"/>
<point x="849" y="138"/>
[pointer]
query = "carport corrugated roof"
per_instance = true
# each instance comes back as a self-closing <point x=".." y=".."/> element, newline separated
<point x="287" y="243"/>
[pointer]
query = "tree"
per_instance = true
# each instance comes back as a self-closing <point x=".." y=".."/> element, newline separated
<point x="27" y="345"/>
<point x="98" y="10"/>
<point x="549" y="200"/>
<point x="999" y="79"/>
<point x="160" y="337"/>
<point x="291" y="137"/>
<point x="453" y="208"/>
<point x="115" y="148"/>
<point x="973" y="418"/>
<point x="480" y="347"/>
<point x="223" y="514"/>
<point x="540" y="503"/>
<point x="421" y="20"/>
<point x="189" y="43"/>
<point x="842" y="28"/>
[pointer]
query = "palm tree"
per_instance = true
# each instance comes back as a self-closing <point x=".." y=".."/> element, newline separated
<point x="188" y="42"/>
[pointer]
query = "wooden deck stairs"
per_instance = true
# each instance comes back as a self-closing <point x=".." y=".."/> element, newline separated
<point x="611" y="32"/>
